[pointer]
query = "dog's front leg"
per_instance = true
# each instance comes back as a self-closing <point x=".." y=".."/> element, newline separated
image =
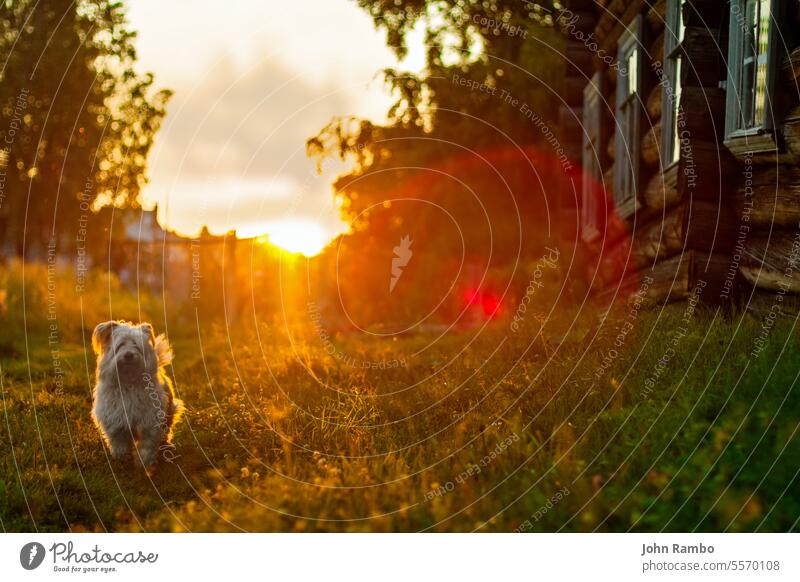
<point x="120" y="442"/>
<point x="149" y="441"/>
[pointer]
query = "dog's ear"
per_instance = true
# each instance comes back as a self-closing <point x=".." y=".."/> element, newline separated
<point x="148" y="331"/>
<point x="102" y="335"/>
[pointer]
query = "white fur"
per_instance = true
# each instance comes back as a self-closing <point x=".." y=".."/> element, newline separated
<point x="134" y="403"/>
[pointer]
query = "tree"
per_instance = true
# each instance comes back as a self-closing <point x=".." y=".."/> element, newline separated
<point x="77" y="122"/>
<point x="466" y="136"/>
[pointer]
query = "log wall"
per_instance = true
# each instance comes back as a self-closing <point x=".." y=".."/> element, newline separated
<point x="768" y="192"/>
<point x="687" y="220"/>
<point x="714" y="204"/>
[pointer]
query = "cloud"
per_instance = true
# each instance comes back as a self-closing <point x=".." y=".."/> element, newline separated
<point x="252" y="83"/>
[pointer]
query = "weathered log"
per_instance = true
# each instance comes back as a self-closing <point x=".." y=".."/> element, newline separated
<point x="611" y="147"/>
<point x="791" y="67"/>
<point x="656" y="50"/>
<point x="650" y="150"/>
<point x="611" y="75"/>
<point x="771" y="197"/>
<point x="772" y="261"/>
<point x="611" y="96"/>
<point x="791" y="132"/>
<point x="657" y="15"/>
<point x="662" y="189"/>
<point x="702" y="226"/>
<point x="702" y="111"/>
<point x="579" y="22"/>
<point x="579" y="58"/>
<point x="770" y="205"/>
<point x="780" y="176"/>
<point x="654" y="100"/>
<point x="615" y="264"/>
<point x="608" y="182"/>
<point x="668" y="280"/>
<point x="616" y="7"/>
<point x="675" y="279"/>
<point x="570" y="124"/>
<point x="612" y="23"/>
<point x="692" y="226"/>
<point x="573" y="90"/>
<point x="660" y="239"/>
<point x="703" y="60"/>
<point x="761" y="303"/>
<point x="611" y="11"/>
<point x="705" y="170"/>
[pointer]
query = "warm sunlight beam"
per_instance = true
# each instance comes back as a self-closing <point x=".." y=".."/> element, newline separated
<point x="297" y="236"/>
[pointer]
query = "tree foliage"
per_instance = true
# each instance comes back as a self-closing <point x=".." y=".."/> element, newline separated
<point x="462" y="141"/>
<point x="77" y="121"/>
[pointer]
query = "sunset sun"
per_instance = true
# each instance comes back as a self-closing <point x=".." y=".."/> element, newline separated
<point x="297" y="236"/>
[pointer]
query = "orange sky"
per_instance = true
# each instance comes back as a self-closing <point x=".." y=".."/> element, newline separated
<point x="252" y="82"/>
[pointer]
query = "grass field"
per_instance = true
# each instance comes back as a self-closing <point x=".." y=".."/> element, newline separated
<point x="638" y="422"/>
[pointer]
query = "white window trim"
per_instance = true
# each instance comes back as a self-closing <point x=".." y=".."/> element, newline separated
<point x="590" y="158"/>
<point x="673" y="37"/>
<point x="738" y="139"/>
<point x="628" y="147"/>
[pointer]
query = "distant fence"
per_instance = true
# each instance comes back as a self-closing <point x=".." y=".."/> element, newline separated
<point x="203" y="270"/>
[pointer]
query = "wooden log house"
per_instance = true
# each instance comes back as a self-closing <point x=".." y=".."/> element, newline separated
<point x="689" y="145"/>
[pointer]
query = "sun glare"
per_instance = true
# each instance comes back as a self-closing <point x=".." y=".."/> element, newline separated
<point x="297" y="236"/>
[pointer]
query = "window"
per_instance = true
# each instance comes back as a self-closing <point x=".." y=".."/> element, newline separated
<point x="592" y="197"/>
<point x="751" y="62"/>
<point x="628" y="114"/>
<point x="670" y="104"/>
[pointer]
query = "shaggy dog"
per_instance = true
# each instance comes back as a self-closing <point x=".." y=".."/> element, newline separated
<point x="133" y="399"/>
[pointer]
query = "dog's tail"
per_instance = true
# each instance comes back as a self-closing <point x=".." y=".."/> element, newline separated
<point x="163" y="351"/>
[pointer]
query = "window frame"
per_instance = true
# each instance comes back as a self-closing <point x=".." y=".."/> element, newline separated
<point x="591" y="148"/>
<point x="670" y="108"/>
<point x="628" y="146"/>
<point x="736" y="137"/>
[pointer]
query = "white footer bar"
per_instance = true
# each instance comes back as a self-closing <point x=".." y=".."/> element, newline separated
<point x="401" y="557"/>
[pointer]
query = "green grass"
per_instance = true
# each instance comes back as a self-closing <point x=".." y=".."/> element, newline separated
<point x="280" y="436"/>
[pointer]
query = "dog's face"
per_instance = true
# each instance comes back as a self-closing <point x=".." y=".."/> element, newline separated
<point x="126" y="348"/>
